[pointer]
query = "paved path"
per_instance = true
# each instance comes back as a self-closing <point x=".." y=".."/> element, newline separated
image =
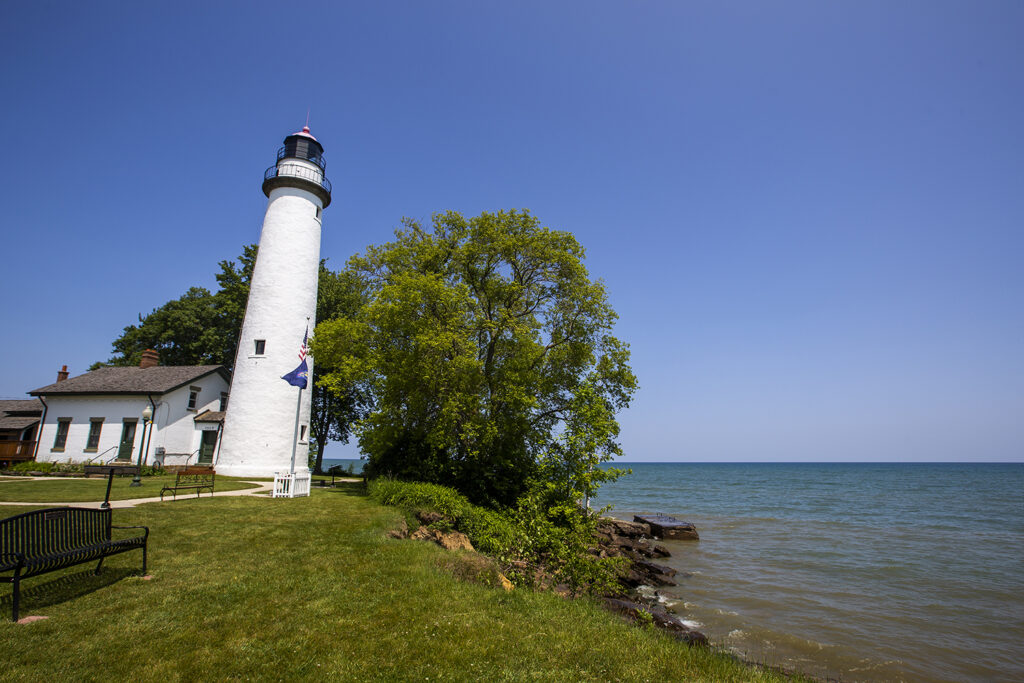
<point x="262" y="489"/>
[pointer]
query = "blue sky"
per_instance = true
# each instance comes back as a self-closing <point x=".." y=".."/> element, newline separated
<point x="810" y="216"/>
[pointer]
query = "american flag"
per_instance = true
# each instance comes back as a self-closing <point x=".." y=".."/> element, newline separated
<point x="299" y="377"/>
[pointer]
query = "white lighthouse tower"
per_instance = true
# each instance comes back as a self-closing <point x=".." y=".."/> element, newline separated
<point x="266" y="429"/>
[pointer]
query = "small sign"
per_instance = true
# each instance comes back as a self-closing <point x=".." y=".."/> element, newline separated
<point x="208" y="426"/>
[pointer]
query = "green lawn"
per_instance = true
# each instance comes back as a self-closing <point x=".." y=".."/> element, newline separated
<point x="74" y="490"/>
<point x="311" y="588"/>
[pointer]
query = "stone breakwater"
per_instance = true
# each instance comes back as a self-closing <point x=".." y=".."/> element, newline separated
<point x="634" y="542"/>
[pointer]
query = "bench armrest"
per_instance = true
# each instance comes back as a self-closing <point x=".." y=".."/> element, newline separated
<point x="114" y="526"/>
<point x="5" y="561"/>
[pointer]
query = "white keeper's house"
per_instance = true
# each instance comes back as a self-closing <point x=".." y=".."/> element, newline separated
<point x="98" y="417"/>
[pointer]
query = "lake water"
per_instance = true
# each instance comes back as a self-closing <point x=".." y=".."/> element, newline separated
<point x="873" y="572"/>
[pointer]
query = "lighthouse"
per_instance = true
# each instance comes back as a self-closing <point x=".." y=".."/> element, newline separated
<point x="266" y="428"/>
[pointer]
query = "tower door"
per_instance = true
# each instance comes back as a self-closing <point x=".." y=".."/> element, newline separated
<point x="124" y="451"/>
<point x="207" y="446"/>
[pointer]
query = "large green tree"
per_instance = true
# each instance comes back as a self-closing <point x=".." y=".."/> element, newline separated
<point x="339" y="295"/>
<point x="489" y="355"/>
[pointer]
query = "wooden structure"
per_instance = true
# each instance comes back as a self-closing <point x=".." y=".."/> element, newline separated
<point x="16" y="451"/>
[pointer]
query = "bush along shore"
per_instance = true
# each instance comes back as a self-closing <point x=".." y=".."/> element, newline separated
<point x="604" y="558"/>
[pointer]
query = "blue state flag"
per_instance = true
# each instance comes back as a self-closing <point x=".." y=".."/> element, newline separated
<point x="298" y="376"/>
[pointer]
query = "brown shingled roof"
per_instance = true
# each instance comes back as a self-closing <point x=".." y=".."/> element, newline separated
<point x="9" y="422"/>
<point x="21" y="406"/>
<point x="133" y="380"/>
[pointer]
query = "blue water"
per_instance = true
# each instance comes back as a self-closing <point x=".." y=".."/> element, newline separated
<point x="855" y="571"/>
<point x="344" y="463"/>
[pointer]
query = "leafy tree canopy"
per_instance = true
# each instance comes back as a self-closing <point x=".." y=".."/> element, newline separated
<point x="339" y="295"/>
<point x="487" y="350"/>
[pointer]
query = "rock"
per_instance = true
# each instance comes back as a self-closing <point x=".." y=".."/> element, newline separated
<point x="449" y="540"/>
<point x="624" y="542"/>
<point x="658" y="550"/>
<point x="618" y="527"/>
<point x="402" y="531"/>
<point x="454" y="540"/>
<point x="663" y="526"/>
<point x="655" y="568"/>
<point x="656" y="615"/>
<point x="634" y="578"/>
<point x="429" y="517"/>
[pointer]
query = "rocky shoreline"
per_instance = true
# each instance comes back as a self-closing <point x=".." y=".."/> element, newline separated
<point x="634" y="541"/>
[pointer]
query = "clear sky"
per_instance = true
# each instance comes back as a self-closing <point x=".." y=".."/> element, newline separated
<point x="809" y="215"/>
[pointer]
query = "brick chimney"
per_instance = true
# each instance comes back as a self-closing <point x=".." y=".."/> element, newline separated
<point x="62" y="374"/>
<point x="150" y="359"/>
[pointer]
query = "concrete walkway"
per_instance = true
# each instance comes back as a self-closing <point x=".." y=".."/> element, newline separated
<point x="262" y="489"/>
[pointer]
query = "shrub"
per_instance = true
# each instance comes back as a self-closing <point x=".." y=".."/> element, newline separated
<point x="531" y="542"/>
<point x="33" y="466"/>
<point x="489" y="531"/>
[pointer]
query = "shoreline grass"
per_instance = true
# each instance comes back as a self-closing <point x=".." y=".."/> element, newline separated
<point x="311" y="588"/>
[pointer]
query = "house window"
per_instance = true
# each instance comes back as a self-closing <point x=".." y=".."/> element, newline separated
<point x="223" y="401"/>
<point x="261" y="346"/>
<point x="193" y="397"/>
<point x="63" y="424"/>
<point x="95" y="427"/>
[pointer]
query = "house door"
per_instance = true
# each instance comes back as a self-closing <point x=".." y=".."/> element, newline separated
<point x="207" y="446"/>
<point x="124" y="452"/>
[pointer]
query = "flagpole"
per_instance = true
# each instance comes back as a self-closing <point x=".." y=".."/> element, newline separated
<point x="298" y="403"/>
<point x="295" y="432"/>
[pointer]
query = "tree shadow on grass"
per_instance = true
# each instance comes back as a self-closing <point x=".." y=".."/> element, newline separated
<point x="64" y="588"/>
<point x="348" y="488"/>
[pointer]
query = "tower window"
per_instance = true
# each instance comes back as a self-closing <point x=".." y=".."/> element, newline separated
<point x="302" y="434"/>
<point x="223" y="401"/>
<point x="318" y="212"/>
<point x="261" y="347"/>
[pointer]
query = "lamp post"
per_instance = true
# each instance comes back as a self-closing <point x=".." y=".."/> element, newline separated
<point x="147" y="421"/>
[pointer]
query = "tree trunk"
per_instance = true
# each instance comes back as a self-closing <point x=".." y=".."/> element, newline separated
<point x="321" y="443"/>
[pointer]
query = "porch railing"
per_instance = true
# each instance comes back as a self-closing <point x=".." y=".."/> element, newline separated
<point x="16" y="451"/>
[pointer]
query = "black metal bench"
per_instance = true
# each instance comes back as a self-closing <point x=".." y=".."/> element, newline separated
<point x="191" y="478"/>
<point x="46" y="540"/>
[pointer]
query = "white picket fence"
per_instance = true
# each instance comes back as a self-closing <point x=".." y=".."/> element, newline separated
<point x="291" y="484"/>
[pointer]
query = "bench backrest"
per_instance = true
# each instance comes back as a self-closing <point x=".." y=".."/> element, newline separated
<point x="194" y="475"/>
<point x="44" y="532"/>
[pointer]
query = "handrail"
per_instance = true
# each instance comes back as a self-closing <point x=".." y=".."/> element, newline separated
<point x="191" y="454"/>
<point x="100" y="455"/>
<point x="117" y="456"/>
<point x="297" y="171"/>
